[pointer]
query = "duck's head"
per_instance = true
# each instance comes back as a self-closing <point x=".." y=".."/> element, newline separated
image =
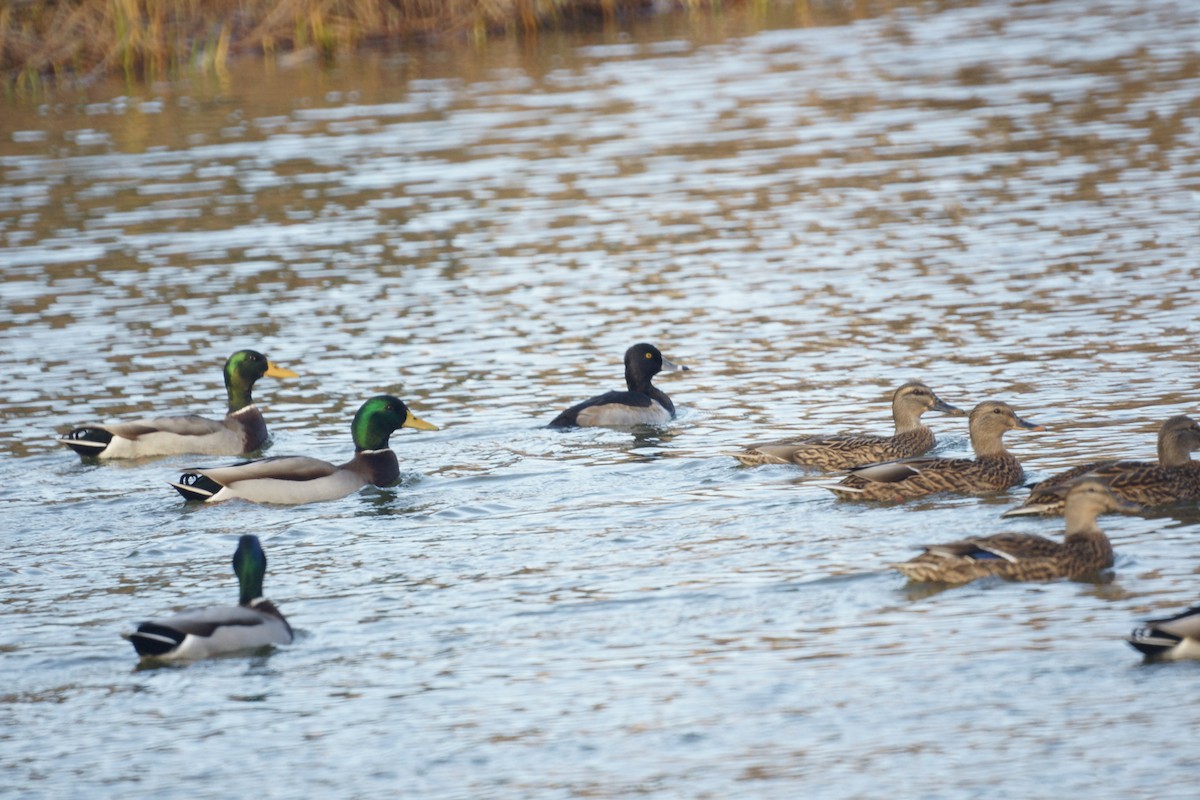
<point x="988" y="422"/>
<point x="1178" y="438"/>
<point x="644" y="361"/>
<point x="915" y="398"/>
<point x="378" y="417"/>
<point x="1089" y="498"/>
<point x="242" y="369"/>
<point x="250" y="565"/>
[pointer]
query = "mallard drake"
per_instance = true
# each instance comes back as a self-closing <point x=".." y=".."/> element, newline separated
<point x="912" y="438"/>
<point x="992" y="470"/>
<point x="1085" y="550"/>
<point x="642" y="404"/>
<point x="1174" y="478"/>
<point x="291" y="480"/>
<point x="1169" y="638"/>
<point x="241" y="431"/>
<point x="254" y="622"/>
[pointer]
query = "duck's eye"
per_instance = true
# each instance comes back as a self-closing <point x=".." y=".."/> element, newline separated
<point x="649" y="355"/>
<point x="996" y="411"/>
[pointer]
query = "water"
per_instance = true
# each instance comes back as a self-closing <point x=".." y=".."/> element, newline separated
<point x="1000" y="199"/>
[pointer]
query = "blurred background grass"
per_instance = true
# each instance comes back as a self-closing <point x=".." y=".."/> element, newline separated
<point x="75" y="40"/>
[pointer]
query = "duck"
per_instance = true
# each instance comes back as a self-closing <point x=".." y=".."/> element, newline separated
<point x="993" y="469"/>
<point x="840" y="452"/>
<point x="1084" y="551"/>
<point x="293" y="480"/>
<point x="642" y="403"/>
<point x="253" y="623"/>
<point x="241" y="431"/>
<point x="1169" y="638"/>
<point x="1174" y="477"/>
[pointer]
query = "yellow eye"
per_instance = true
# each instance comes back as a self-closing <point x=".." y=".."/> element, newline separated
<point x="649" y="355"/>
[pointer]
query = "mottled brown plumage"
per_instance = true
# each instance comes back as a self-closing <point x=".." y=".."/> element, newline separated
<point x="1084" y="551"/>
<point x="992" y="470"/>
<point x="1174" y="477"/>
<point x="912" y="438"/>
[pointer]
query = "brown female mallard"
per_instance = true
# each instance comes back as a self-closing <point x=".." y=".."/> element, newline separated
<point x="1173" y="478"/>
<point x="992" y="470"/>
<point x="1085" y="550"/>
<point x="912" y="438"/>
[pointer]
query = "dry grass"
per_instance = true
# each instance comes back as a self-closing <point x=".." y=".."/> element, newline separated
<point x="159" y="38"/>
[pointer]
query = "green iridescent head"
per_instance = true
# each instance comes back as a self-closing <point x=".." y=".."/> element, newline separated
<point x="378" y="417"/>
<point x="242" y="369"/>
<point x="250" y="565"/>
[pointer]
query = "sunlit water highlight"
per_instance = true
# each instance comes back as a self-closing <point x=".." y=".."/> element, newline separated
<point x="1000" y="199"/>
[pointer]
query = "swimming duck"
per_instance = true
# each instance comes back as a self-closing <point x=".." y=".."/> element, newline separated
<point x="1085" y="550"/>
<point x="912" y="438"/>
<point x="1175" y="477"/>
<point x="254" y="622"/>
<point x="241" y="431"/>
<point x="642" y="404"/>
<point x="1169" y="638"/>
<point x="992" y="470"/>
<point x="291" y="480"/>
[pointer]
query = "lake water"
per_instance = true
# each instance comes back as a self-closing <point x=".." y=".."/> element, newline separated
<point x="1002" y="199"/>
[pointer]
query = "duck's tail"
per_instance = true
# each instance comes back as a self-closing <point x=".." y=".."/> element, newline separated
<point x="194" y="486"/>
<point x="1150" y="642"/>
<point x="87" y="442"/>
<point x="152" y="639"/>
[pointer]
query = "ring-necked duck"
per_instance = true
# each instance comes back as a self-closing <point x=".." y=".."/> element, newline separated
<point x="641" y="404"/>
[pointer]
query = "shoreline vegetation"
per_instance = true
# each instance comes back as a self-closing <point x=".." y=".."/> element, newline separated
<point x="63" y="41"/>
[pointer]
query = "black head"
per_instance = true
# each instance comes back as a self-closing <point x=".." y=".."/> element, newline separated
<point x="644" y="361"/>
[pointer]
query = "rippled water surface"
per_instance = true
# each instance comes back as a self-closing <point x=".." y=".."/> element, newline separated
<point x="1002" y="199"/>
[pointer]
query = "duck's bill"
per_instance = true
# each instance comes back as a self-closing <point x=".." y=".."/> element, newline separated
<point x="416" y="422"/>
<point x="946" y="408"/>
<point x="1037" y="509"/>
<point x="1127" y="506"/>
<point x="1029" y="426"/>
<point x="671" y="366"/>
<point x="276" y="371"/>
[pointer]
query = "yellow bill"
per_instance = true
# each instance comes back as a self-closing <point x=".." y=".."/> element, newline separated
<point x="275" y="371"/>
<point x="416" y="422"/>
